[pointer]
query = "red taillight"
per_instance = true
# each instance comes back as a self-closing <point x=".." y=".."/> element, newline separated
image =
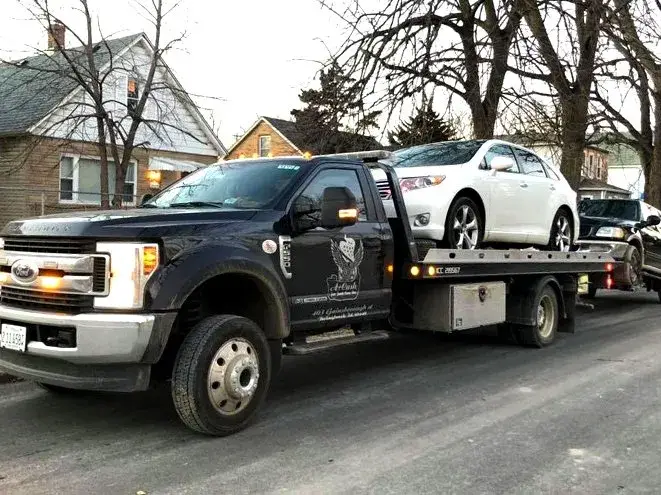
<point x="609" y="267"/>
<point x="609" y="282"/>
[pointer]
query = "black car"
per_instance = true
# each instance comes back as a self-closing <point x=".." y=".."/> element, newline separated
<point x="628" y="230"/>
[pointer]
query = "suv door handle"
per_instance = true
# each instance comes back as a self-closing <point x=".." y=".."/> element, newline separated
<point x="552" y="187"/>
<point x="523" y="184"/>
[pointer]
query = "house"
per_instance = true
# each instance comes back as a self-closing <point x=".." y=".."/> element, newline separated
<point x="49" y="159"/>
<point x="625" y="169"/>
<point x="269" y="136"/>
<point x="598" y="189"/>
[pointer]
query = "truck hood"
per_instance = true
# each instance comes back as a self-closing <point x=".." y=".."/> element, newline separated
<point x="135" y="223"/>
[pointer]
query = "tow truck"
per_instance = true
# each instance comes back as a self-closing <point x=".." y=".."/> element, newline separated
<point x="209" y="283"/>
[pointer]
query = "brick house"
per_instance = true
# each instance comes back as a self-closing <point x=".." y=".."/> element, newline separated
<point x="269" y="136"/>
<point x="50" y="164"/>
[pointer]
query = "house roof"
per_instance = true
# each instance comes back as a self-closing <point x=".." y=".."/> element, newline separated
<point x="598" y="185"/>
<point x="291" y="133"/>
<point x="31" y="90"/>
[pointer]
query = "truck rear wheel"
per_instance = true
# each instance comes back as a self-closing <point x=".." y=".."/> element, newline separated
<point x="221" y="375"/>
<point x="546" y="317"/>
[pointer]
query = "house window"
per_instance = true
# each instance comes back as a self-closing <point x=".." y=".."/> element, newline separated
<point x="264" y="145"/>
<point x="66" y="179"/>
<point x="132" y="95"/>
<point x="80" y="180"/>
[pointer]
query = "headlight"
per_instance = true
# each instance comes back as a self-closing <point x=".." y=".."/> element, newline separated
<point x="413" y="183"/>
<point x="611" y="232"/>
<point x="2" y="243"/>
<point x="131" y="265"/>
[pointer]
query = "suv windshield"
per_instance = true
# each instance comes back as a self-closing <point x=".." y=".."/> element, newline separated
<point x="448" y="153"/>
<point x="244" y="185"/>
<point x="610" y="208"/>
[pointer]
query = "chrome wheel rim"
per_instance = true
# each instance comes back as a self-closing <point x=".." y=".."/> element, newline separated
<point x="563" y="234"/>
<point x="465" y="228"/>
<point x="233" y="376"/>
<point x="545" y="317"/>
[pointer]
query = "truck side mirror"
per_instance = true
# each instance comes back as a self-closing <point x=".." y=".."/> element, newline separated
<point x="338" y="208"/>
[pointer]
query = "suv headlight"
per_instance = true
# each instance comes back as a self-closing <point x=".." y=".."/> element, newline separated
<point x="131" y="265"/>
<point x="611" y="232"/>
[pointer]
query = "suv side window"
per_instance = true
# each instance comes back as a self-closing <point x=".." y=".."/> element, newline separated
<point x="501" y="150"/>
<point x="529" y="163"/>
<point x="336" y="177"/>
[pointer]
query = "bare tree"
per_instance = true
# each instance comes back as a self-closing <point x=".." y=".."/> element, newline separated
<point x="559" y="50"/>
<point x="127" y="101"/>
<point x="458" y="46"/>
<point x="635" y="72"/>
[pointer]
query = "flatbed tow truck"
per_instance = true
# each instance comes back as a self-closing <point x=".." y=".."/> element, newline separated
<point x="209" y="283"/>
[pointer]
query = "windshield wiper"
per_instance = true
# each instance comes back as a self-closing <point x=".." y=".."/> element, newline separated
<point x="195" y="204"/>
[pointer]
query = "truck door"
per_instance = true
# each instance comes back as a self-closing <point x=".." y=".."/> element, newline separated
<point x="335" y="276"/>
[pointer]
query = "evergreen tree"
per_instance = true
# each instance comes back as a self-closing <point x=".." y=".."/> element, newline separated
<point x="321" y="123"/>
<point x="424" y="127"/>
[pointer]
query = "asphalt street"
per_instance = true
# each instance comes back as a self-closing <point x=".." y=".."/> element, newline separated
<point x="466" y="414"/>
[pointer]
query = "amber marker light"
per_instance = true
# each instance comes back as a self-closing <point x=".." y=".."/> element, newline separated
<point x="149" y="259"/>
<point x="415" y="271"/>
<point x="390" y="268"/>
<point x="431" y="271"/>
<point x="351" y="213"/>
<point x="50" y="283"/>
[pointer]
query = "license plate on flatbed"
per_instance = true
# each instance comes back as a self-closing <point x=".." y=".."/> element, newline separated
<point x="13" y="337"/>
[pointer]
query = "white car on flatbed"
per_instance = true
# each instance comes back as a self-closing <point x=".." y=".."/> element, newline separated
<point x="463" y="194"/>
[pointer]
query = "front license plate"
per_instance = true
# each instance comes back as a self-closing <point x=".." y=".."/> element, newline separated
<point x="13" y="337"/>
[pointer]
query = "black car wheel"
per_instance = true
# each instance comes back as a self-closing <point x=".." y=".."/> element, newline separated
<point x="634" y="264"/>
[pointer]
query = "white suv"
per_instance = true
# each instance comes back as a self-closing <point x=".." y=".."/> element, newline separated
<point x="466" y="193"/>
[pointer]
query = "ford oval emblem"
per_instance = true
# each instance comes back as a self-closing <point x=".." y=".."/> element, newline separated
<point x="24" y="272"/>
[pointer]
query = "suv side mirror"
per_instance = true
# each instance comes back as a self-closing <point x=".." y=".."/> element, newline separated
<point x="651" y="221"/>
<point x="501" y="163"/>
<point x="338" y="208"/>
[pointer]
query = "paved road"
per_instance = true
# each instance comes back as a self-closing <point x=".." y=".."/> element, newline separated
<point x="459" y="415"/>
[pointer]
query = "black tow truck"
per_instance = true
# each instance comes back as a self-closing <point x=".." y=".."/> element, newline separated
<point x="211" y="281"/>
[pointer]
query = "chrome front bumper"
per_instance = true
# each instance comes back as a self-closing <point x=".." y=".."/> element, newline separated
<point x="100" y="338"/>
<point x="616" y="249"/>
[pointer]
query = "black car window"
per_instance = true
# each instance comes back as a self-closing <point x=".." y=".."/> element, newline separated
<point x="336" y="177"/>
<point x="448" y="153"/>
<point x="501" y="150"/>
<point x="529" y="163"/>
<point x="611" y="208"/>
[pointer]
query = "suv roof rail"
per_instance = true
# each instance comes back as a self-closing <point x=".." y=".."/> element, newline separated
<point x="366" y="156"/>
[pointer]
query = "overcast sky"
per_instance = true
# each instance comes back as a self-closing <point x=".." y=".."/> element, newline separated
<point x="254" y="54"/>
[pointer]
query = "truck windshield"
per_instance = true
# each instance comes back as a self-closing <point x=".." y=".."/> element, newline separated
<point x="610" y="208"/>
<point x="448" y="153"/>
<point x="241" y="185"/>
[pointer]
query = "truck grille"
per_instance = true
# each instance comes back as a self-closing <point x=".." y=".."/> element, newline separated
<point x="25" y="244"/>
<point x="48" y="301"/>
<point x="384" y="189"/>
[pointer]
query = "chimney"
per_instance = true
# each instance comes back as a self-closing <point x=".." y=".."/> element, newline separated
<point x="56" y="36"/>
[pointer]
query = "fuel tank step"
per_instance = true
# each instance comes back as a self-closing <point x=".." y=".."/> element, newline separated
<point x="324" y="342"/>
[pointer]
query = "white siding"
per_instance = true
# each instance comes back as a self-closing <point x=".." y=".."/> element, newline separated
<point x="629" y="178"/>
<point x="174" y="126"/>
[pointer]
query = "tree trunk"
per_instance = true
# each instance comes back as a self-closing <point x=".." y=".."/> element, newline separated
<point x="653" y="171"/>
<point x="484" y="123"/>
<point x="103" y="155"/>
<point x="120" y="179"/>
<point x="574" y="127"/>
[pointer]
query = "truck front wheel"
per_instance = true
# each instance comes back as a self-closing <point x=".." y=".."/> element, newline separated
<point x="221" y="375"/>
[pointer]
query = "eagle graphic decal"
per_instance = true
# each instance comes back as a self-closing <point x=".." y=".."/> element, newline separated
<point x="347" y="255"/>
